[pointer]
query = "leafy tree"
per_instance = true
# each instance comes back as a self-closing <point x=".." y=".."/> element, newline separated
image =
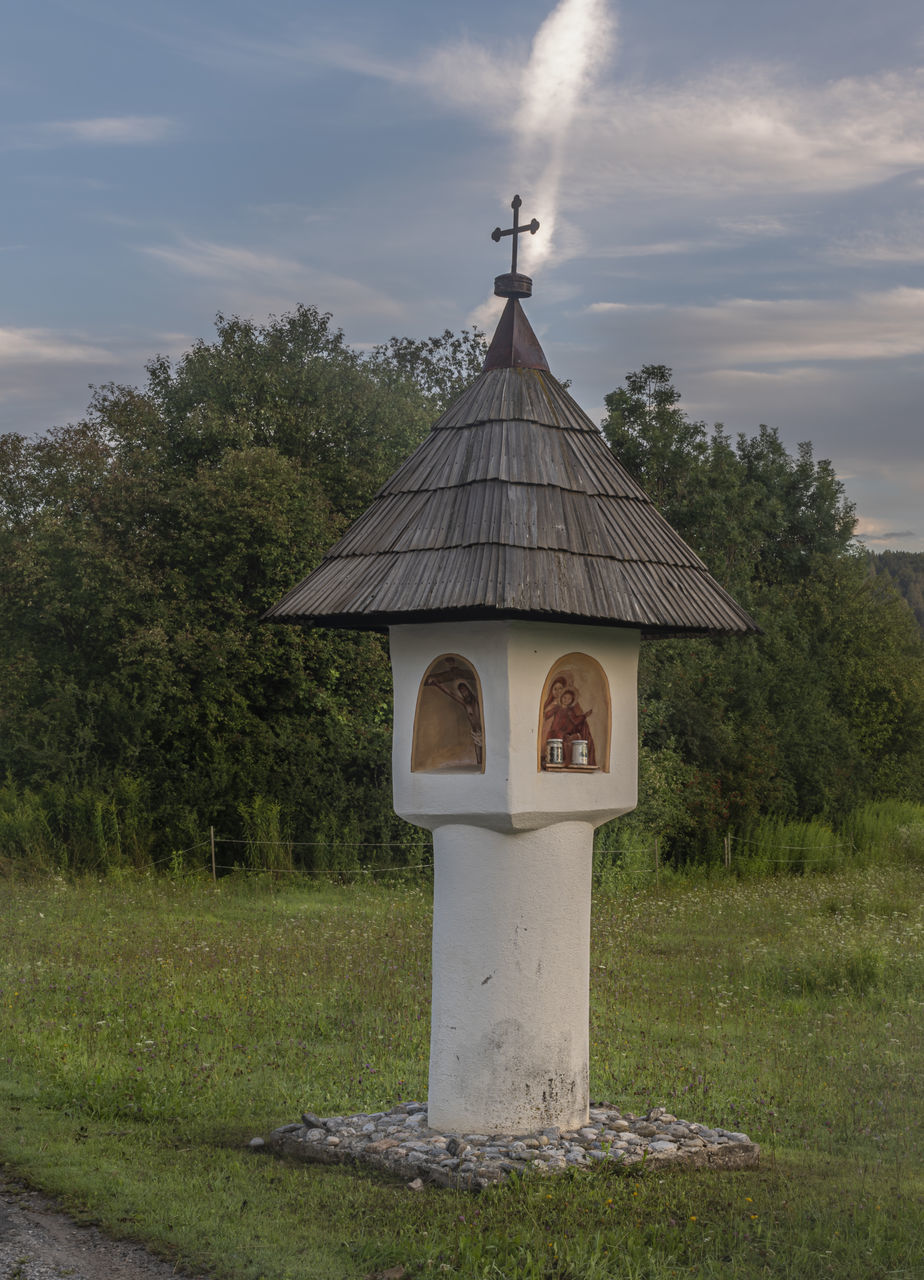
<point x="440" y="367"/>
<point x="822" y="711"/>
<point x="655" y="440"/>
<point x="905" y="570"/>
<point x="139" y="548"/>
<point x="293" y="385"/>
<point x="751" y="510"/>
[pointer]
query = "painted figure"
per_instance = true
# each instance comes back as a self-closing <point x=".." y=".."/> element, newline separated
<point x="558" y="685"/>
<point x="455" y="684"/>
<point x="566" y="719"/>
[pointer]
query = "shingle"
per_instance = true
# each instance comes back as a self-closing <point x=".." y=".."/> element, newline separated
<point x="514" y="506"/>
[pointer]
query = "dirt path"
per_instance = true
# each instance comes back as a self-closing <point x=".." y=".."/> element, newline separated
<point x="39" y="1242"/>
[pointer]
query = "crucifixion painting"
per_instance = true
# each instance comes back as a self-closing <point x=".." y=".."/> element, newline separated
<point x="449" y="724"/>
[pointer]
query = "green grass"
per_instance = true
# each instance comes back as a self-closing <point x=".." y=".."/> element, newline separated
<point x="149" y="1028"/>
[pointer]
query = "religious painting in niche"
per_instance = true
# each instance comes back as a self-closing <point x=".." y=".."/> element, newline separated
<point x="575" y="708"/>
<point x="448" y="724"/>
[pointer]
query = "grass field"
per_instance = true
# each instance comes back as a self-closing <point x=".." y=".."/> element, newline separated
<point x="150" y="1027"/>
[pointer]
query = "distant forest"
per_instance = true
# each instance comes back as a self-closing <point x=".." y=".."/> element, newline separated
<point x="905" y="569"/>
<point x="142" y="701"/>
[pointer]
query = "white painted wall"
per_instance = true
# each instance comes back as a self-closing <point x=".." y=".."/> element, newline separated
<point x="509" y="1048"/>
<point x="512" y="660"/>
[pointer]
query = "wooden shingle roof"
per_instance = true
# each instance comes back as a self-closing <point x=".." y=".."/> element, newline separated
<point x="514" y="507"/>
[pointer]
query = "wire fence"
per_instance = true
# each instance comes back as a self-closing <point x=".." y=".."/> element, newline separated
<point x="617" y="857"/>
<point x="872" y="833"/>
<point x="365" y="870"/>
<point x="835" y="846"/>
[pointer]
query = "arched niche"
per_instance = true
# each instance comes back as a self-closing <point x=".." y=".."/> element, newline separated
<point x="576" y="704"/>
<point x="449" y="719"/>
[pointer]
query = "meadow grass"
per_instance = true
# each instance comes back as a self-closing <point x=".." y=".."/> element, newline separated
<point x="149" y="1027"/>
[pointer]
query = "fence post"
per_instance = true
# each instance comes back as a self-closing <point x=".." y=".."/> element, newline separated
<point x="728" y="853"/>
<point x="657" y="853"/>
<point x="212" y="842"/>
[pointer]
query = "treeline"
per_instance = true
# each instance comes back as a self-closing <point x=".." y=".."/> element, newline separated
<point x="142" y="701"/>
<point x="824" y="711"/>
<point x="905" y="570"/>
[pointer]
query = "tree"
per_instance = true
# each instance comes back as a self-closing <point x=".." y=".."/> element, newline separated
<point x="751" y="510"/>
<point x="826" y="708"/>
<point x="905" y="570"/>
<point x="140" y="547"/>
<point x="441" y="368"/>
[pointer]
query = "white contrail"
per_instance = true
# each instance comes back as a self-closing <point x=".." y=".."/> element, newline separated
<point x="568" y="52"/>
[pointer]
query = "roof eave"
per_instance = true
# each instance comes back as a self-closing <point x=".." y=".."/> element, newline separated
<point x="381" y="622"/>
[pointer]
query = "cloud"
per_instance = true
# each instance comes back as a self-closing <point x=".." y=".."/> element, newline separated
<point x="291" y="212"/>
<point x="743" y="128"/>
<point x="657" y="248"/>
<point x="901" y="242"/>
<point x="115" y="129"/>
<point x="460" y="75"/>
<point x="744" y="331"/>
<point x="46" y="372"/>
<point x="45" y="346"/>
<point x="486" y="315"/>
<point x="749" y="129"/>
<point x="214" y="261"/>
<point x="758" y="225"/>
<point x="93" y="131"/>
<point x="877" y="531"/>
<point x="769" y="378"/>
<point x="567" y="57"/>
<point x="259" y="281"/>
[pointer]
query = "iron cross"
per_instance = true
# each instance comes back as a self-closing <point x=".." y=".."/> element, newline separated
<point x="516" y="231"/>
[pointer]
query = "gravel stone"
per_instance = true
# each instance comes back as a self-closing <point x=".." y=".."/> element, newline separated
<point x="400" y="1142"/>
<point x="708" y="1135"/>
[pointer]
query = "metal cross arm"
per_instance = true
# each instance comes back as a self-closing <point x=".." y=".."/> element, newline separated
<point x="516" y="231"/>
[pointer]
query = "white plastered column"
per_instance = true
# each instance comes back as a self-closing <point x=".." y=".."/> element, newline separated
<point x="509" y="1048"/>
<point x="513" y="845"/>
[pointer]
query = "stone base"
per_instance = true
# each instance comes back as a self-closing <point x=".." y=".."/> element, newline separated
<point x="400" y="1143"/>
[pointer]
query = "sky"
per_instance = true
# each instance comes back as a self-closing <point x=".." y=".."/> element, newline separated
<point x="734" y="190"/>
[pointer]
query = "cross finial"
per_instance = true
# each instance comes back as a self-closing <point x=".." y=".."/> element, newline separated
<point x="516" y="231"/>
<point x="514" y="285"/>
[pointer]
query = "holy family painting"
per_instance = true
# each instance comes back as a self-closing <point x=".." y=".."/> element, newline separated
<point x="576" y="707"/>
<point x="449" y="723"/>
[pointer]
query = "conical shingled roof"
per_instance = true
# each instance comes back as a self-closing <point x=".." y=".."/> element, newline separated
<point x="514" y="507"/>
